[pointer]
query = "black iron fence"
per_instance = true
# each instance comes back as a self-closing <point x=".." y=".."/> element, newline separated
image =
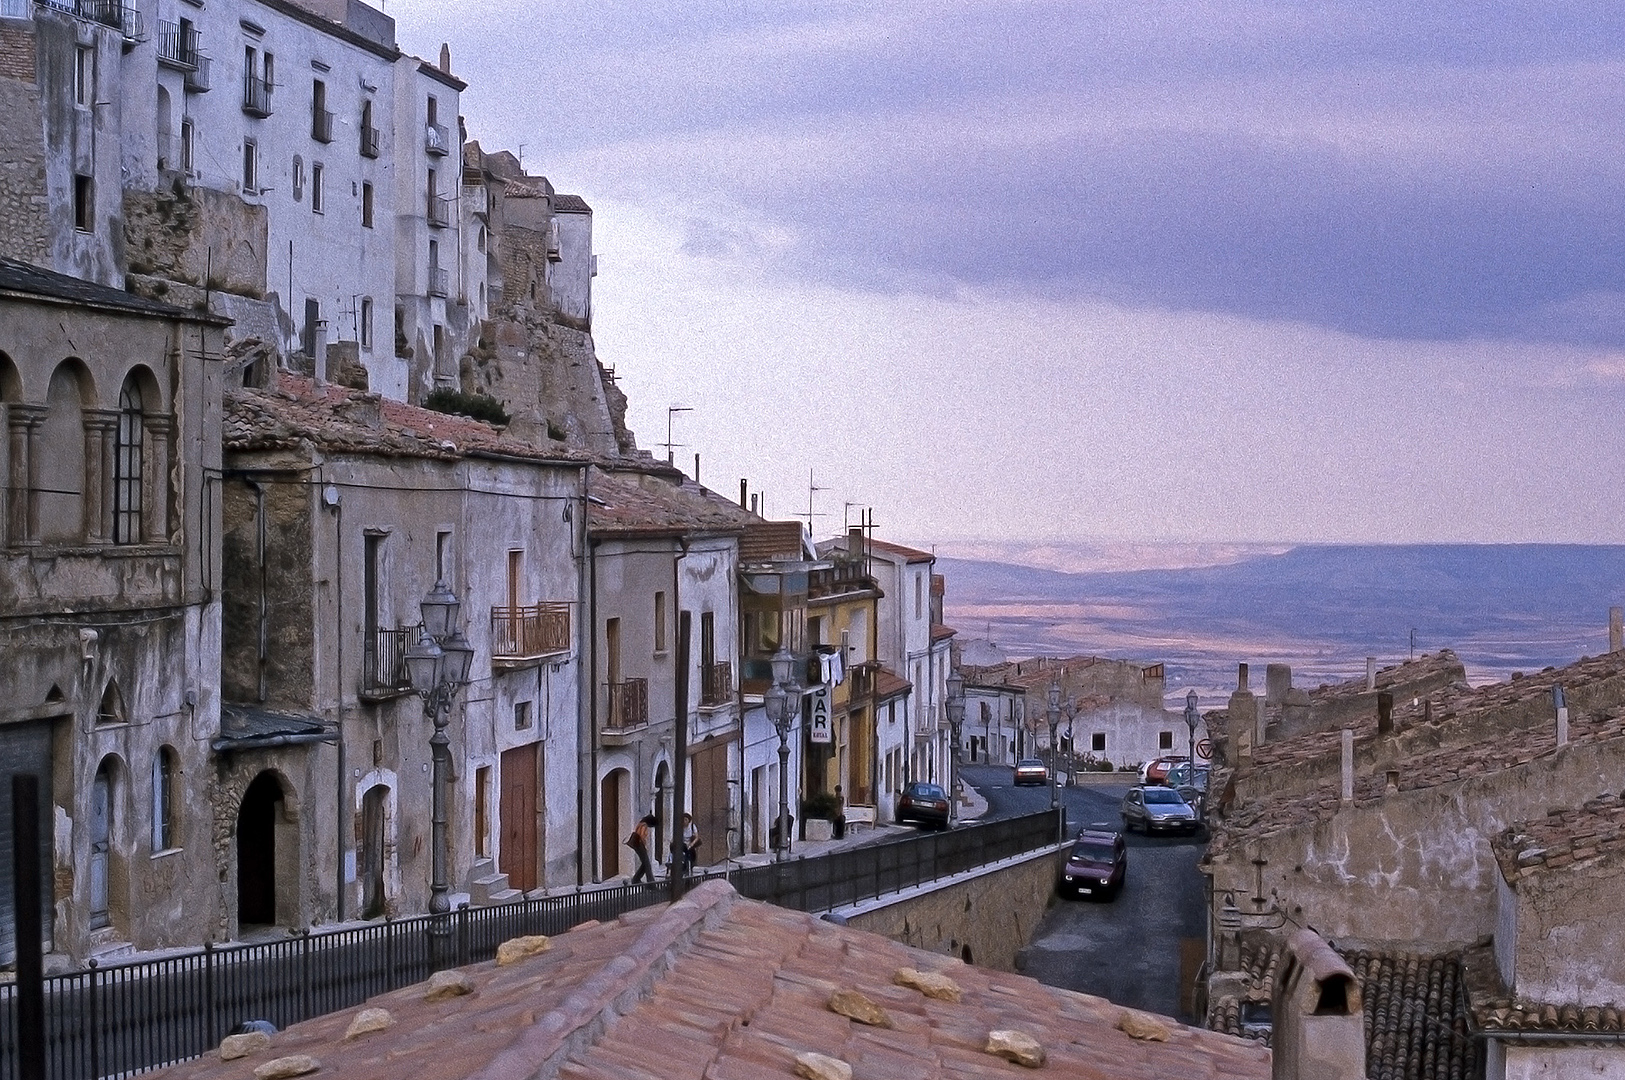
<point x="125" y="1019"/>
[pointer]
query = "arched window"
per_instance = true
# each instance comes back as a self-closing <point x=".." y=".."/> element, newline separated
<point x="111" y="710"/>
<point x="165" y="791"/>
<point x="127" y="455"/>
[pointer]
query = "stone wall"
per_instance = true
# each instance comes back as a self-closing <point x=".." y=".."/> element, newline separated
<point x="290" y="645"/>
<point x="196" y="236"/>
<point x="984" y="920"/>
<point x="24" y="207"/>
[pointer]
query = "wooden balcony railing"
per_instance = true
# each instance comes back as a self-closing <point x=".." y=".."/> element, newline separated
<point x="717" y="684"/>
<point x="383" y="662"/>
<point x="526" y="633"/>
<point x="628" y="704"/>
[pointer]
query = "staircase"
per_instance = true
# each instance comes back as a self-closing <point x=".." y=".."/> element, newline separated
<point x="486" y="887"/>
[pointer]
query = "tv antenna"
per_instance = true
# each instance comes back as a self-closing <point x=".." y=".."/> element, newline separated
<point x="671" y="411"/>
<point x="811" y="489"/>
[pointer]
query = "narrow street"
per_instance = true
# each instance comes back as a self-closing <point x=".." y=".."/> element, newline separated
<point x="1140" y="949"/>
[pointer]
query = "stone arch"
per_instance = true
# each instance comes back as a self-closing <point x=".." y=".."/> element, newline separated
<point x="660" y="806"/>
<point x="11" y="381"/>
<point x="62" y="465"/>
<point x="267" y="852"/>
<point x="111" y="709"/>
<point x="164" y="126"/>
<point x="167" y="800"/>
<point x="108" y="850"/>
<point x="378" y="866"/>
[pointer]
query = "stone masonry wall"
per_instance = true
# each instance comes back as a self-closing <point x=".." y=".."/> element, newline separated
<point x="24" y="208"/>
<point x="984" y="921"/>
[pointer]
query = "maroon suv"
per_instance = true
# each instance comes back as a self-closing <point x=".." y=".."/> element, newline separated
<point x="1096" y="865"/>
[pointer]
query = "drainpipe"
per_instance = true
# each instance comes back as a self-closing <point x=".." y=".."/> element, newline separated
<point x="259" y="553"/>
<point x="330" y="495"/>
<point x="589" y="677"/>
<point x="679" y="790"/>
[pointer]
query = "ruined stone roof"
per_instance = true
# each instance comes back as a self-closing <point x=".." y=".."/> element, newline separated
<point x="722" y="988"/>
<point x="570" y="204"/>
<point x="662" y="502"/>
<point x="1037" y="673"/>
<point x="1443" y="665"/>
<point x="1496" y="1010"/>
<point x="1570" y="839"/>
<point x="31" y="281"/>
<point x="298" y="414"/>
<point x="1417" y="1010"/>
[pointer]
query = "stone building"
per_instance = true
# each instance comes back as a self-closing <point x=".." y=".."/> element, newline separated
<point x="110" y="602"/>
<point x="342" y="511"/>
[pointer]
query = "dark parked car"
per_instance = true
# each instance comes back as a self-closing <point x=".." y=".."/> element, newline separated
<point x="1031" y="771"/>
<point x="1191" y="784"/>
<point x="926" y="804"/>
<point x="1096" y="865"/>
<point x="1158" y="809"/>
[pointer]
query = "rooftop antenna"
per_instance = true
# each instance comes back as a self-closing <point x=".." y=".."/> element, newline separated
<point x="846" y="509"/>
<point x="673" y="410"/>
<point x="811" y="488"/>
<point x="521" y="158"/>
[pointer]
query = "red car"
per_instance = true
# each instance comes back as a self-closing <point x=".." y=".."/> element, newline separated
<point x="1155" y="771"/>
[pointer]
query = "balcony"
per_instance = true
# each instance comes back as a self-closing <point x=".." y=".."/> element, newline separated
<point x="197" y="78"/>
<point x="437" y="281"/>
<point x="177" y="46"/>
<point x="436" y="140"/>
<point x="383" y="663"/>
<point x="438" y="212"/>
<point x="321" y="125"/>
<point x="860" y="681"/>
<point x="369" y="142"/>
<point x="628" y="706"/>
<point x="846" y="576"/>
<point x="716" y="685"/>
<point x="256" y="96"/>
<point x="117" y="14"/>
<point x="521" y="634"/>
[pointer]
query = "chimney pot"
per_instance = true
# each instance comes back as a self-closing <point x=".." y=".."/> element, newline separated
<point x="1317" y="1014"/>
<point x="1370" y="673"/>
<point x="1241" y="676"/>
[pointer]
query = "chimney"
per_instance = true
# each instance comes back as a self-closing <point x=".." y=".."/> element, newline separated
<point x="854" y="541"/>
<point x="445" y="58"/>
<point x="753" y="501"/>
<point x="1348" y="767"/>
<point x="1561" y="705"/>
<point x="1277" y="681"/>
<point x="1241" y="678"/>
<point x="1319" y="1026"/>
<point x="1616" y="629"/>
<point x="1370" y="673"/>
<point x="1385" y="713"/>
<point x="1246" y="718"/>
<point x="696" y="468"/>
<point x="744" y="489"/>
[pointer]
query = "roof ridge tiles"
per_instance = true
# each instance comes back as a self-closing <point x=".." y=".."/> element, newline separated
<point x="583" y="1017"/>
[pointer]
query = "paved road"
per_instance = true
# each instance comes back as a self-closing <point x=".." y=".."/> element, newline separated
<point x="1128" y="950"/>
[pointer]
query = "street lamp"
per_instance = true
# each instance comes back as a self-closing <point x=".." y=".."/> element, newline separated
<point x="781" y="703"/>
<point x="1192" y="718"/>
<point x="438" y="666"/>
<point x="1054" y="716"/>
<point x="956" y="717"/>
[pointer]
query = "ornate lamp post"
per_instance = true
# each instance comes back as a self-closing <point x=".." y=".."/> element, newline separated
<point x="782" y="703"/>
<point x="438" y="666"/>
<point x="955" y="706"/>
<point x="1054" y="716"/>
<point x="1192" y="718"/>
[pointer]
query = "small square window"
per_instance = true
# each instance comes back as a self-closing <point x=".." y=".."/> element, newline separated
<point x="84" y="76"/>
<point x="84" y="204"/>
<point x="521" y="715"/>
<point x="366" y="203"/>
<point x="316" y="186"/>
<point x="1097" y="742"/>
<point x="1165" y="740"/>
<point x="365" y="329"/>
<point x="251" y="168"/>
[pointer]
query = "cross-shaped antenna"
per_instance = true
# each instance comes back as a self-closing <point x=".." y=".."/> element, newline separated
<point x="811" y="488"/>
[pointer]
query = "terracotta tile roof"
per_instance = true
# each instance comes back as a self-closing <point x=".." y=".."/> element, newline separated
<point x="570" y="204"/>
<point x="940" y="632"/>
<point x="1417" y="1010"/>
<point x="1496" y="1010"/>
<point x="765" y="541"/>
<point x="1565" y="839"/>
<point x="888" y="684"/>
<point x="907" y="554"/>
<point x="27" y="280"/>
<point x="721" y="988"/>
<point x="663" y="502"/>
<point x="298" y="412"/>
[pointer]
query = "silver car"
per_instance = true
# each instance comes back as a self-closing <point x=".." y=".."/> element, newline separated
<point x="1158" y="809"/>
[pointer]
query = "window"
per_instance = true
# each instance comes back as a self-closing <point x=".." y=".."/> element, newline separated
<point x="165" y="791"/>
<point x="482" y="813"/>
<point x="251" y="167"/>
<point x="84" y="204"/>
<point x="442" y="551"/>
<point x="186" y="145"/>
<point x="298" y="178"/>
<point x="482" y="238"/>
<point x="372" y="584"/>
<point x="84" y="76"/>
<point x="660" y="622"/>
<point x="1165" y="740"/>
<point x="521" y="715"/>
<point x="364" y="331"/>
<point x="313" y="325"/>
<point x="316" y="186"/>
<point x="321" y="121"/>
<point x="127" y="455"/>
<point x="366" y="203"/>
<point x="1097" y="742"/>
<point x="918" y="591"/>
<point x="433" y="110"/>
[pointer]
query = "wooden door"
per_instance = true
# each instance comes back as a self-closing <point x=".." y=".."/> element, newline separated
<point x="519" y="803"/>
<point x="710" y="800"/>
<point x="372" y="851"/>
<point x="101" y="828"/>
<point x="609" y="824"/>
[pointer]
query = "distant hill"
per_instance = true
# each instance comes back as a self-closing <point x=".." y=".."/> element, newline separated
<point x="1322" y="609"/>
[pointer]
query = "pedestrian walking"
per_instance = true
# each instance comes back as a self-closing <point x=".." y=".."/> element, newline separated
<point x="639" y="843"/>
<point x="691" y="843"/>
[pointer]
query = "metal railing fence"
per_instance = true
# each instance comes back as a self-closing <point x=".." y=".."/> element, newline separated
<point x="126" y="1019"/>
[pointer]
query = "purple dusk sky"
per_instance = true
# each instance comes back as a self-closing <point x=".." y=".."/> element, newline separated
<point x="1076" y="270"/>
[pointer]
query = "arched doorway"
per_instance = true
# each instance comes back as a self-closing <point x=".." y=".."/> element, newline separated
<point x="257" y="820"/>
<point x="664" y="818"/>
<point x="614" y="822"/>
<point x="372" y="851"/>
<point x="101" y="846"/>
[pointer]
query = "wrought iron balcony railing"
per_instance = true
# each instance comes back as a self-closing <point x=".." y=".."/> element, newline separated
<point x="436" y="140"/>
<point x="177" y="46"/>
<point x="321" y="125"/>
<point x="197" y="77"/>
<point x="628" y="704"/>
<point x="383" y="662"/>
<point x="717" y="684"/>
<point x="526" y="633"/>
<point x="369" y="142"/>
<point x="256" y="96"/>
<point x="436" y="211"/>
<point x="437" y="281"/>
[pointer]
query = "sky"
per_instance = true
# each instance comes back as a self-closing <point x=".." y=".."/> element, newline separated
<point x="1032" y="271"/>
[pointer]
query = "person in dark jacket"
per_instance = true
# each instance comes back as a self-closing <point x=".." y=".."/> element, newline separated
<point x="639" y="843"/>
